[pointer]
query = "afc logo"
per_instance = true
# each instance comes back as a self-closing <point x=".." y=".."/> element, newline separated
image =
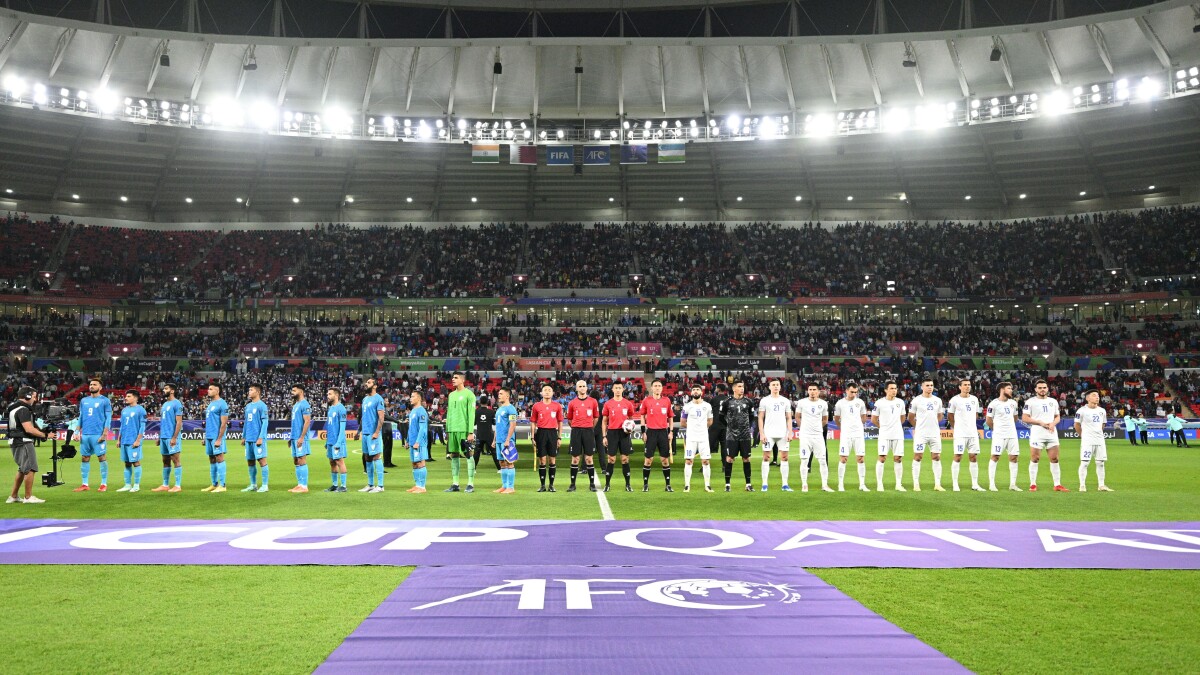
<point x="596" y="155"/>
<point x="706" y="594"/>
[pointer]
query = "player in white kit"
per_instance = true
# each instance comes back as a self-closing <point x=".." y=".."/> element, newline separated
<point x="774" y="428"/>
<point x="925" y="414"/>
<point x="1002" y="419"/>
<point x="888" y="415"/>
<point x="697" y="417"/>
<point x="813" y="415"/>
<point x="850" y="414"/>
<point x="1041" y="414"/>
<point x="964" y="411"/>
<point x="1089" y="424"/>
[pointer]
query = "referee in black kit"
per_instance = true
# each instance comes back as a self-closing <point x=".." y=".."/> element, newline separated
<point x="485" y="430"/>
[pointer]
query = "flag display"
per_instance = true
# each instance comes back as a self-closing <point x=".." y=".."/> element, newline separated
<point x="522" y="154"/>
<point x="597" y="155"/>
<point x="671" y="153"/>
<point x="634" y="153"/>
<point x="485" y="154"/>
<point x="560" y="155"/>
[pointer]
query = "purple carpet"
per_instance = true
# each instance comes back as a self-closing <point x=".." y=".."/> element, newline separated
<point x="726" y="543"/>
<point x="627" y="620"/>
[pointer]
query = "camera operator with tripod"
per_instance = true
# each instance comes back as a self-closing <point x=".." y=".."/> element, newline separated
<point x="21" y="434"/>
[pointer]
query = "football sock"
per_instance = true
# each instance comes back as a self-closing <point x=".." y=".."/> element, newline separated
<point x="420" y="476"/>
<point x="378" y="473"/>
<point x="625" y="472"/>
<point x="1056" y="473"/>
<point x="85" y="471"/>
<point x="937" y="472"/>
<point x="104" y="472"/>
<point x="898" y="470"/>
<point x="667" y="476"/>
<point x="707" y="471"/>
<point x="783" y="470"/>
<point x="747" y="471"/>
<point x="687" y="475"/>
<point x="302" y="475"/>
<point x="455" y="467"/>
<point x="574" y="473"/>
<point x="727" y="468"/>
<point x="879" y="476"/>
<point x="212" y="473"/>
<point x="591" y="472"/>
<point x="1083" y="472"/>
<point x="955" y="466"/>
<point x="974" y="469"/>
<point x="1033" y="471"/>
<point x="766" y="471"/>
<point x="916" y="472"/>
<point x="179" y="476"/>
<point x="470" y="473"/>
<point x="370" y="473"/>
<point x="841" y="474"/>
<point x="253" y="469"/>
<point x="137" y="475"/>
<point x="862" y="474"/>
<point x="333" y="476"/>
<point x="127" y="474"/>
<point x="542" y="475"/>
<point x="1012" y="474"/>
<point x="645" y="475"/>
<point x="222" y="467"/>
<point x="166" y="475"/>
<point x="992" y="474"/>
<point x="341" y="480"/>
<point x="553" y="470"/>
<point x="824" y="469"/>
<point x="1100" y="472"/>
<point x="266" y="474"/>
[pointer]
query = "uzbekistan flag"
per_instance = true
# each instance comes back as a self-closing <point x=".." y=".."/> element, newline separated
<point x="671" y="153"/>
<point x="485" y="154"/>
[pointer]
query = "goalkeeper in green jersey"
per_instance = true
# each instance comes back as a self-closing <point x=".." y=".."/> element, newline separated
<point x="460" y="430"/>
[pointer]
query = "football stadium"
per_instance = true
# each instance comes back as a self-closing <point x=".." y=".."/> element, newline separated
<point x="600" y="336"/>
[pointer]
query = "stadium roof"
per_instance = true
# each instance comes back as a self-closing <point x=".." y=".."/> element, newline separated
<point x="45" y="157"/>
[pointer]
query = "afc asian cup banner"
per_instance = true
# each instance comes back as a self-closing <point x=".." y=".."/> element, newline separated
<point x="905" y="347"/>
<point x="671" y="153"/>
<point x="773" y="347"/>
<point x="635" y="153"/>
<point x="127" y="349"/>
<point x="522" y="154"/>
<point x="643" y="348"/>
<point x="1140" y="345"/>
<point x="1042" y="347"/>
<point x="560" y="155"/>
<point x="597" y="155"/>
<point x="22" y="347"/>
<point x="254" y="349"/>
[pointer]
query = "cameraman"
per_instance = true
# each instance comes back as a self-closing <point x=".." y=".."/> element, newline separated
<point x="21" y="434"/>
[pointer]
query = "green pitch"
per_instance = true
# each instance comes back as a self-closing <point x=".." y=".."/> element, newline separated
<point x="989" y="620"/>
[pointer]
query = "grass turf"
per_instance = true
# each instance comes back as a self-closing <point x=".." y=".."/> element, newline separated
<point x="1151" y="484"/>
<point x="989" y="620"/>
<point x="135" y="618"/>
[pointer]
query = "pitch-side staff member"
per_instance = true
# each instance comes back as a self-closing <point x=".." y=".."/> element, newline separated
<point x="21" y="433"/>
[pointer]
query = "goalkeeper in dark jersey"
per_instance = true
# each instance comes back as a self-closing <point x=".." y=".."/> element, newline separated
<point x="737" y="415"/>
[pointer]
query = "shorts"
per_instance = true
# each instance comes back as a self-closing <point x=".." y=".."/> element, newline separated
<point x="507" y="452"/>
<point x="716" y="440"/>
<point x="25" y="457"/>
<point x="656" y="440"/>
<point x="334" y="453"/>
<point x="619" y="440"/>
<point x="691" y="448"/>
<point x="255" y="451"/>
<point x="1041" y="439"/>
<point x="92" y="445"/>
<point x="213" y="450"/>
<point x="738" y="447"/>
<point x="1096" y="451"/>
<point x="966" y="444"/>
<point x="416" y="455"/>
<point x="546" y="442"/>
<point x="304" y="450"/>
<point x="583" y="442"/>
<point x="130" y="454"/>
<point x="812" y="446"/>
<point x="857" y="443"/>
<point x="892" y="445"/>
<point x="165" y="448"/>
<point x="372" y="446"/>
<point x="928" y="444"/>
<point x="454" y="441"/>
<point x="783" y="444"/>
<point x="1002" y="445"/>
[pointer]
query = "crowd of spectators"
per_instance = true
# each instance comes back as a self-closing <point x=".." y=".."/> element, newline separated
<point x="1153" y="241"/>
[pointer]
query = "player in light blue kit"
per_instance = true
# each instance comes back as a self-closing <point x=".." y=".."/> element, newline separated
<point x="95" y="418"/>
<point x="370" y="430"/>
<point x="216" y="423"/>
<point x="418" y="441"/>
<point x="169" y="427"/>
<point x="298" y="440"/>
<point x="335" y="440"/>
<point x="133" y="431"/>
<point x="254" y="433"/>
<point x="506" y="445"/>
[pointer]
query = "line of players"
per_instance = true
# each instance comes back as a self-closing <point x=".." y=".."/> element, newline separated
<point x="735" y="414"/>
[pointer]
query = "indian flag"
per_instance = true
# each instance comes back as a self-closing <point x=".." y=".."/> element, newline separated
<point x="485" y="154"/>
<point x="671" y="153"/>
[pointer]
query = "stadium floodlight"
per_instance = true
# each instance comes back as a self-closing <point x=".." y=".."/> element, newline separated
<point x="739" y="198"/>
<point x="819" y="125"/>
<point x="625" y="125"/>
<point x="439" y="123"/>
<point x="1150" y="188"/>
<point x="264" y="115"/>
<point x="349" y="199"/>
<point x="968" y="197"/>
<point x="74" y="196"/>
<point x="474" y="200"/>
<point x="226" y="113"/>
<point x="295" y="200"/>
<point x="507" y="124"/>
<point x="849" y="198"/>
<point x="695" y="132"/>
<point x="423" y="130"/>
<point x="647" y="124"/>
<point x="1021" y="196"/>
<point x="124" y="198"/>
<point x="15" y="86"/>
<point x="733" y="122"/>
<point x="681" y="199"/>
<point x="239" y="200"/>
<point x="768" y="128"/>
<point x="1148" y="88"/>
<point x="560" y="134"/>
<point x="187" y="200"/>
<point x="612" y="199"/>
<point x="596" y="134"/>
<point x="896" y="119"/>
<point x="613" y="134"/>
<point x="408" y="200"/>
<point x="39" y="94"/>
<point x="1055" y="103"/>
<point x="527" y="133"/>
<point x="799" y="198"/>
<point x="462" y="125"/>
